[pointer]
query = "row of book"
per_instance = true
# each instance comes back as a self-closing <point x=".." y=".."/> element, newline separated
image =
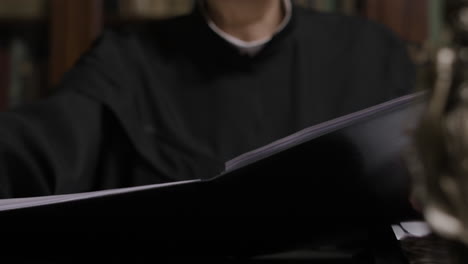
<point x="20" y="74"/>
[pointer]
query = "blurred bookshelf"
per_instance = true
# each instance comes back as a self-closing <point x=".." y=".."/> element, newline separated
<point x="146" y="9"/>
<point x="41" y="39"/>
<point x="23" y="50"/>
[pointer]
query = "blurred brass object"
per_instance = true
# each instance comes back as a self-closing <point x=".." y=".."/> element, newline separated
<point x="438" y="160"/>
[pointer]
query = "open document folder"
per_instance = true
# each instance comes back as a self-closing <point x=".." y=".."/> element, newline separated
<point x="349" y="166"/>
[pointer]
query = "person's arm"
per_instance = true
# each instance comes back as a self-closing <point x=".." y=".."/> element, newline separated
<point x="49" y="146"/>
<point x="53" y="145"/>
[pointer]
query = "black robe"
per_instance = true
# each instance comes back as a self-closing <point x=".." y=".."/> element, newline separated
<point x="171" y="100"/>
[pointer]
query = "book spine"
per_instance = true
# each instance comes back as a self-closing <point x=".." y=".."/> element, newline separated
<point x="25" y="75"/>
<point x="436" y="22"/>
<point x="417" y="15"/>
<point x="18" y="57"/>
<point x="406" y="18"/>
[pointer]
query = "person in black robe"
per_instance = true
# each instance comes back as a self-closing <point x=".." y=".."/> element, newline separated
<point x="175" y="99"/>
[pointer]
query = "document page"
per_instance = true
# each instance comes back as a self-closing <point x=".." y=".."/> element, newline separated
<point x="318" y="130"/>
<point x="17" y="203"/>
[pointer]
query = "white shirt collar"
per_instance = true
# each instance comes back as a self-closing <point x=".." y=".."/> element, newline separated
<point x="250" y="47"/>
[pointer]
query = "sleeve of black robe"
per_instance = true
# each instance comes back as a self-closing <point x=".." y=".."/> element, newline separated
<point x="85" y="137"/>
<point x="54" y="146"/>
<point x="49" y="146"/>
<point x="89" y="135"/>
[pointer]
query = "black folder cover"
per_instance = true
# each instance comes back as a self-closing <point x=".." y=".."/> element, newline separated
<point x="347" y="170"/>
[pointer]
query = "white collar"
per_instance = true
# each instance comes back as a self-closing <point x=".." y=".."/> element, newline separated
<point x="250" y="47"/>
